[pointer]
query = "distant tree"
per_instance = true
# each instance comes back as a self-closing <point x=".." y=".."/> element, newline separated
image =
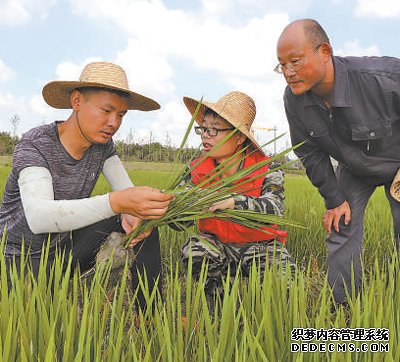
<point x="168" y="148"/>
<point x="129" y="137"/>
<point x="6" y="143"/>
<point x="15" y="120"/>
<point x="150" y="148"/>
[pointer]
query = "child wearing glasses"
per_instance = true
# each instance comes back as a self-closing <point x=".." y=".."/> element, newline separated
<point x="234" y="245"/>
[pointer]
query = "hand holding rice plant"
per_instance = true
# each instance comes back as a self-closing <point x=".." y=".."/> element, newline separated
<point x="196" y="202"/>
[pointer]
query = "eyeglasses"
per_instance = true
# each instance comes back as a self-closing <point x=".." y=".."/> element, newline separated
<point x="211" y="131"/>
<point x="295" y="65"/>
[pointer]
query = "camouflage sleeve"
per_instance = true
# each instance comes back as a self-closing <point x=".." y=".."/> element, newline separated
<point x="187" y="184"/>
<point x="187" y="180"/>
<point x="272" y="196"/>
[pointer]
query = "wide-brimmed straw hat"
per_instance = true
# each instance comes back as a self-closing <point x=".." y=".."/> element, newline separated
<point x="237" y="108"/>
<point x="395" y="187"/>
<point x="100" y="75"/>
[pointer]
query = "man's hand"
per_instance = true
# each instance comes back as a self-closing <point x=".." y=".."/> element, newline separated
<point x="223" y="205"/>
<point x="139" y="238"/>
<point x="141" y="201"/>
<point x="130" y="223"/>
<point x="333" y="216"/>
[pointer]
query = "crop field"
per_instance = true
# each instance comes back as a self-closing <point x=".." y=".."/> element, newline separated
<point x="68" y="320"/>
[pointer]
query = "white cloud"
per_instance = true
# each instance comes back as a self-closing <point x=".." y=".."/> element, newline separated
<point x="13" y="13"/>
<point x="377" y="9"/>
<point x="43" y="112"/>
<point x="241" y="51"/>
<point x="267" y="94"/>
<point x="354" y="47"/>
<point x="18" y="12"/>
<point x="339" y="2"/>
<point x="71" y="71"/>
<point x="232" y="55"/>
<point x="216" y="7"/>
<point x="40" y="107"/>
<point x="209" y="44"/>
<point x="148" y="72"/>
<point x="6" y="73"/>
<point x="239" y="11"/>
<point x="10" y="102"/>
<point x="10" y="105"/>
<point x="173" y="119"/>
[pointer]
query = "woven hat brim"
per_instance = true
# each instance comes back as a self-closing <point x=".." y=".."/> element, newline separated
<point x="56" y="94"/>
<point x="395" y="187"/>
<point x="191" y="105"/>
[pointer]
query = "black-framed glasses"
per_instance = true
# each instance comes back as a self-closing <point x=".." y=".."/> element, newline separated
<point x="295" y="65"/>
<point x="211" y="131"/>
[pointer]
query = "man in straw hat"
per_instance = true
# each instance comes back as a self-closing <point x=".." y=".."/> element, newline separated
<point x="347" y="108"/>
<point x="56" y="166"/>
<point x="234" y="244"/>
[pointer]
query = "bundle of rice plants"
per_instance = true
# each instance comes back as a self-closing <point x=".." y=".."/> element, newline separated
<point x="192" y="202"/>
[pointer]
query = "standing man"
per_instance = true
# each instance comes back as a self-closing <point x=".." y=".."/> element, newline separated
<point x="347" y="108"/>
<point x="56" y="166"/>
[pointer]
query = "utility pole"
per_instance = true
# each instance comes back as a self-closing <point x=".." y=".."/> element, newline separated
<point x="275" y="129"/>
<point x="15" y="119"/>
<point x="150" y="142"/>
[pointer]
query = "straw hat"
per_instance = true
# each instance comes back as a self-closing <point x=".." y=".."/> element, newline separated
<point x="237" y="108"/>
<point x="395" y="187"/>
<point x="97" y="74"/>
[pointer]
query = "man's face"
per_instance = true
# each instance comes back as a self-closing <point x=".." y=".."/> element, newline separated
<point x="301" y="62"/>
<point x="100" y="114"/>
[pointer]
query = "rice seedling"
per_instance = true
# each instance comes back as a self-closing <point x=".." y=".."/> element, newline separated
<point x="191" y="202"/>
<point x="62" y="317"/>
<point x="70" y="320"/>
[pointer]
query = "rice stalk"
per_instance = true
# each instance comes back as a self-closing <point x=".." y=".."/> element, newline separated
<point x="191" y="202"/>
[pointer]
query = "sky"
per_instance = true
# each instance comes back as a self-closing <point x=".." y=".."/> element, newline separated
<point x="171" y="49"/>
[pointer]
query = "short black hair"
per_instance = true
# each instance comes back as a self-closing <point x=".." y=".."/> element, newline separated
<point x="85" y="90"/>
<point x="210" y="112"/>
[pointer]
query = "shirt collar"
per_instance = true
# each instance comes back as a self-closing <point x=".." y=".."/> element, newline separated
<point x="341" y="89"/>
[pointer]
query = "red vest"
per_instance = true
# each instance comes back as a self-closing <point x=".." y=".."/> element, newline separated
<point x="227" y="231"/>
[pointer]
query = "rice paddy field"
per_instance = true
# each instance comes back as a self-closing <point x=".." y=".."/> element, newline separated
<point x="258" y="319"/>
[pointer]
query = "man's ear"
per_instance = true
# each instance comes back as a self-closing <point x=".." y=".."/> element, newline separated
<point x="241" y="139"/>
<point x="75" y="99"/>
<point x="327" y="51"/>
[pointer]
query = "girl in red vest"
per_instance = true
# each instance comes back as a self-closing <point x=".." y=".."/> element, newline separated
<point x="235" y="244"/>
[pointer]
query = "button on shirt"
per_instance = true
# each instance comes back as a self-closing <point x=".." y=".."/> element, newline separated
<point x="361" y="130"/>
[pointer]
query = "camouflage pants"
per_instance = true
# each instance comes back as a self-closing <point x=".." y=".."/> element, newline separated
<point x="229" y="256"/>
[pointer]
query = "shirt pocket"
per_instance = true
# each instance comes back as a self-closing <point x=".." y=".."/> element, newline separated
<point x="317" y="132"/>
<point x="371" y="137"/>
<point x="371" y="129"/>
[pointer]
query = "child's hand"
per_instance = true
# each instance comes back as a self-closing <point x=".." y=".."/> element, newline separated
<point x="129" y="223"/>
<point x="139" y="238"/>
<point x="223" y="205"/>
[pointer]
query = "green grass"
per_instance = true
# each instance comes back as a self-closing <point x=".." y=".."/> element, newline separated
<point x="74" y="322"/>
<point x="304" y="205"/>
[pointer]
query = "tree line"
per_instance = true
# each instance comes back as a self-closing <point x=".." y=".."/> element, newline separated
<point x="151" y="152"/>
<point x="155" y="152"/>
<point x="7" y="143"/>
<point x="8" y="140"/>
<point x="127" y="149"/>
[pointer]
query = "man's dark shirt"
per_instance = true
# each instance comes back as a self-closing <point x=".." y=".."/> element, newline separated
<point x="361" y="130"/>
